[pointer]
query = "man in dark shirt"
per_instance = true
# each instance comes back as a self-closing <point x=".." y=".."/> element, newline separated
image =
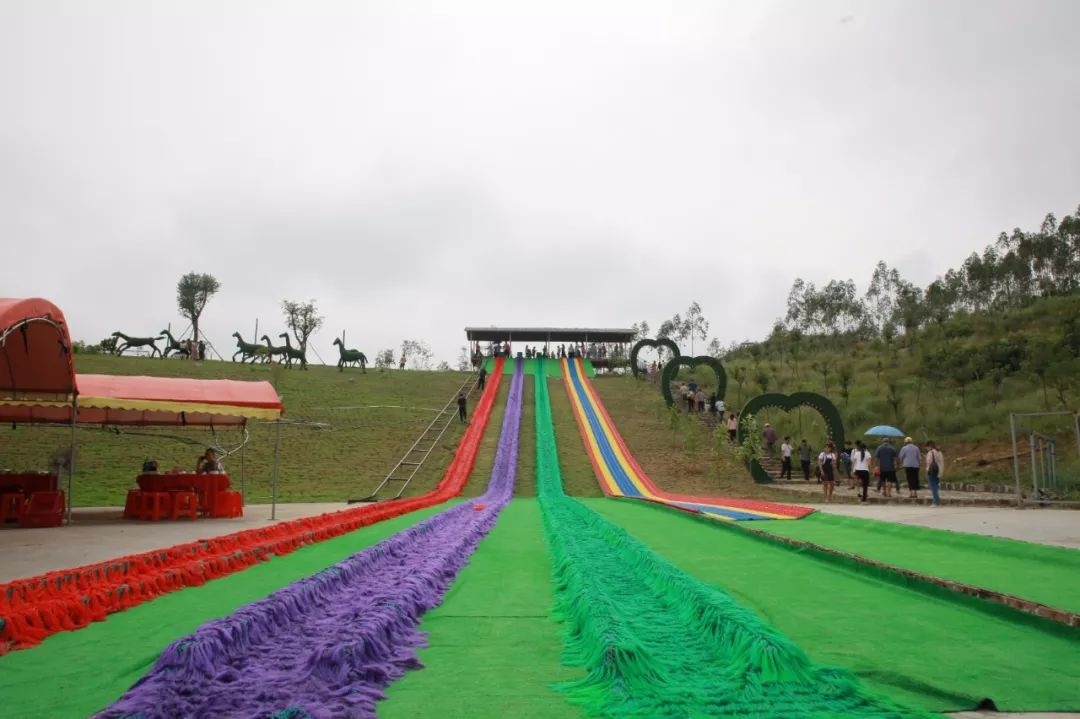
<point x="886" y="459"/>
<point x="482" y="378"/>
<point x="462" y="414"/>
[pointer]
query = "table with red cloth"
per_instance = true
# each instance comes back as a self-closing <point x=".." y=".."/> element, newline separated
<point x="30" y="492"/>
<point x="211" y="489"/>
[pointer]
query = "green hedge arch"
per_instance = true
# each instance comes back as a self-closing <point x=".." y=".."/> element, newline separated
<point x="671" y="370"/>
<point x="657" y="343"/>
<point x="787" y="402"/>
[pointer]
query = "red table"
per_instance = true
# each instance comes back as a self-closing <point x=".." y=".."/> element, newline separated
<point x="27" y="482"/>
<point x="32" y="499"/>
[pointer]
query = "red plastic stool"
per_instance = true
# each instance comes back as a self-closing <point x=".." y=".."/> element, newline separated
<point x="43" y="509"/>
<point x="153" y="505"/>
<point x="184" y="504"/>
<point x="228" y="505"/>
<point x="11" y="506"/>
<point x="132" y="504"/>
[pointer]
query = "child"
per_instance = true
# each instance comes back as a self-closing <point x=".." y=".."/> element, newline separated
<point x="785" y="456"/>
<point x="827" y="467"/>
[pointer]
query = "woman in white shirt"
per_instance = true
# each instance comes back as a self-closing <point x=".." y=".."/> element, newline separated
<point x="860" y="464"/>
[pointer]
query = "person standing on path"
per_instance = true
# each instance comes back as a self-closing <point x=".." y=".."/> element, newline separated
<point x="911" y="460"/>
<point x="481" y="380"/>
<point x="785" y="458"/>
<point x="700" y="397"/>
<point x="935" y="468"/>
<point x="732" y="428"/>
<point x="769" y="435"/>
<point x="886" y="459"/>
<point x="804" y="459"/>
<point x="827" y="469"/>
<point x="720" y="408"/>
<point x="462" y="414"/>
<point x="860" y="461"/>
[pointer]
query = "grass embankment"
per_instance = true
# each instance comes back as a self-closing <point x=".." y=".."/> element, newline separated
<point x="371" y="420"/>
<point x="965" y="408"/>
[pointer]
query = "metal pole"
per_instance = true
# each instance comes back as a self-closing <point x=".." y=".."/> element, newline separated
<point x="1016" y="460"/>
<point x="1076" y="426"/>
<point x="243" y="444"/>
<point x="71" y="459"/>
<point x="277" y="466"/>
<point x="1034" y="461"/>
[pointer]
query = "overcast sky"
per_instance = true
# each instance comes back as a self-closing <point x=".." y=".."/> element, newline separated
<point x="419" y="167"/>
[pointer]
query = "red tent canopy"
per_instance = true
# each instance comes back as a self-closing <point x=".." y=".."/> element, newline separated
<point x="35" y="351"/>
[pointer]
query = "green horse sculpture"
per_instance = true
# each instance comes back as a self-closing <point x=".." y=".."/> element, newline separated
<point x="249" y="350"/>
<point x="355" y="357"/>
<point x="132" y="342"/>
<point x="293" y="353"/>
<point x="173" y="345"/>
<point x="273" y="351"/>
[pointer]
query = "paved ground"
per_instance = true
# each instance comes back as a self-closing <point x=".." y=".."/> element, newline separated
<point x="99" y="534"/>
<point x="791" y="491"/>
<point x="1045" y="526"/>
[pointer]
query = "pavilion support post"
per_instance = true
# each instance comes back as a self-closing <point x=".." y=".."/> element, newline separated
<point x="243" y="444"/>
<point x="277" y="468"/>
<point x="71" y="458"/>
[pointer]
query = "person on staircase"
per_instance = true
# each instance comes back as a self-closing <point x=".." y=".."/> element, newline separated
<point x="462" y="413"/>
<point x="481" y="379"/>
<point x="732" y="427"/>
<point x="785" y="458"/>
<point x="769" y="435"/>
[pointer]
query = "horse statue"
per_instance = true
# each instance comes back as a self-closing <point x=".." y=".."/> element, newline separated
<point x="294" y="353"/>
<point x="278" y="351"/>
<point x="249" y="350"/>
<point x="174" y="345"/>
<point x="355" y="357"/>
<point x="131" y="342"/>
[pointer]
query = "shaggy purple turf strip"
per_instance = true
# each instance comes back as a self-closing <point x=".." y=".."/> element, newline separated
<point x="328" y="644"/>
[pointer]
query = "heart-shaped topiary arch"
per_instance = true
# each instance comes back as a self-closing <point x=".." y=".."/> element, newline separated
<point x="833" y="423"/>
<point x="642" y="344"/>
<point x="671" y="370"/>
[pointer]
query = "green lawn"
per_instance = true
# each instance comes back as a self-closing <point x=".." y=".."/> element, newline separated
<point x="370" y="421"/>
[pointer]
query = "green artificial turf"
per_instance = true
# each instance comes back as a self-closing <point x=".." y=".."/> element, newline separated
<point x="550" y="367"/>
<point x="494" y="650"/>
<point x="1041" y="573"/>
<point x="928" y="651"/>
<point x="74" y="674"/>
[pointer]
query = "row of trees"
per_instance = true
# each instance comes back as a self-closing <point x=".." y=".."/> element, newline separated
<point x="1017" y="269"/>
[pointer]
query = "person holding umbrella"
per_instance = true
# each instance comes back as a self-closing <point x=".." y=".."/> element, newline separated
<point x="886" y="457"/>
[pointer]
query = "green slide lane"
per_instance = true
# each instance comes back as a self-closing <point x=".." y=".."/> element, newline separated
<point x="494" y="648"/>
<point x="74" y="674"/>
<point x="1044" y="574"/>
<point x="930" y="651"/>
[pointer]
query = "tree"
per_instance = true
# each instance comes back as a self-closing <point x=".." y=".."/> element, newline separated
<point x="762" y="379"/>
<point x="463" y="360"/>
<point x="444" y="366"/>
<point x="418" y="352"/>
<point x="302" y="319"/>
<point x="845" y="374"/>
<point x="641" y="330"/>
<point x="384" y="359"/>
<point x="695" y="325"/>
<point x="193" y="291"/>
<point x="1062" y="376"/>
<point x="1042" y="355"/>
<point x="738" y="373"/>
<point x="881" y="296"/>
<point x="894" y="398"/>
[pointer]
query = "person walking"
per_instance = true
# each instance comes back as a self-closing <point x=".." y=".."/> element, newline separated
<point x="860" y="462"/>
<point x="700" y="397"/>
<point x="769" y="435"/>
<point x="481" y="379"/>
<point x="886" y="459"/>
<point x="845" y="463"/>
<point x="785" y="459"/>
<point x="720" y="408"/>
<point x="911" y="460"/>
<point x="827" y="470"/>
<point x="935" y="468"/>
<point x="732" y="428"/>
<point x="401" y="364"/>
<point x="462" y="413"/>
<point x="804" y="459"/>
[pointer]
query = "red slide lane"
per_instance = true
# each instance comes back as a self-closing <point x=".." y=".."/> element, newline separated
<point x="35" y="608"/>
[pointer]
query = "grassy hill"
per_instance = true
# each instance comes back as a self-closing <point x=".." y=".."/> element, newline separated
<point x="368" y="420"/>
<point x="955" y="383"/>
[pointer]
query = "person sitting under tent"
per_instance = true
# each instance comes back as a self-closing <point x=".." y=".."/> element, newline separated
<point x="208" y="463"/>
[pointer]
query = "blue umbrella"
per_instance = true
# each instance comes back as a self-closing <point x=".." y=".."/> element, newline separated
<point x="883" y="430"/>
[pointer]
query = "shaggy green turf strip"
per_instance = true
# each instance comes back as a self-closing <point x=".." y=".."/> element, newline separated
<point x="1049" y="575"/>
<point x="922" y="650"/>
<point x="74" y="674"/>
<point x="494" y="650"/>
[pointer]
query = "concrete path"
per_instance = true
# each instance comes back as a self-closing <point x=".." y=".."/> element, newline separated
<point x="98" y="534"/>
<point x="1045" y="526"/>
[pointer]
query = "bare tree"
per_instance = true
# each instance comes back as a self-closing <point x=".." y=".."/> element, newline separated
<point x="303" y="319"/>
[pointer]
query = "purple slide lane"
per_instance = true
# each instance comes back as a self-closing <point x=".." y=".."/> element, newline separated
<point x="328" y="644"/>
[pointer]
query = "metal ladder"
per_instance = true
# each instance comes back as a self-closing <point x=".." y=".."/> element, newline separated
<point x="413" y="459"/>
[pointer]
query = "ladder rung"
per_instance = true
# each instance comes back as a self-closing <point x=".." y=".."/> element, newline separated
<point x="412" y="464"/>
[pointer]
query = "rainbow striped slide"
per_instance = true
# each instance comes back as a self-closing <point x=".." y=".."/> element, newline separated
<point x="620" y="475"/>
